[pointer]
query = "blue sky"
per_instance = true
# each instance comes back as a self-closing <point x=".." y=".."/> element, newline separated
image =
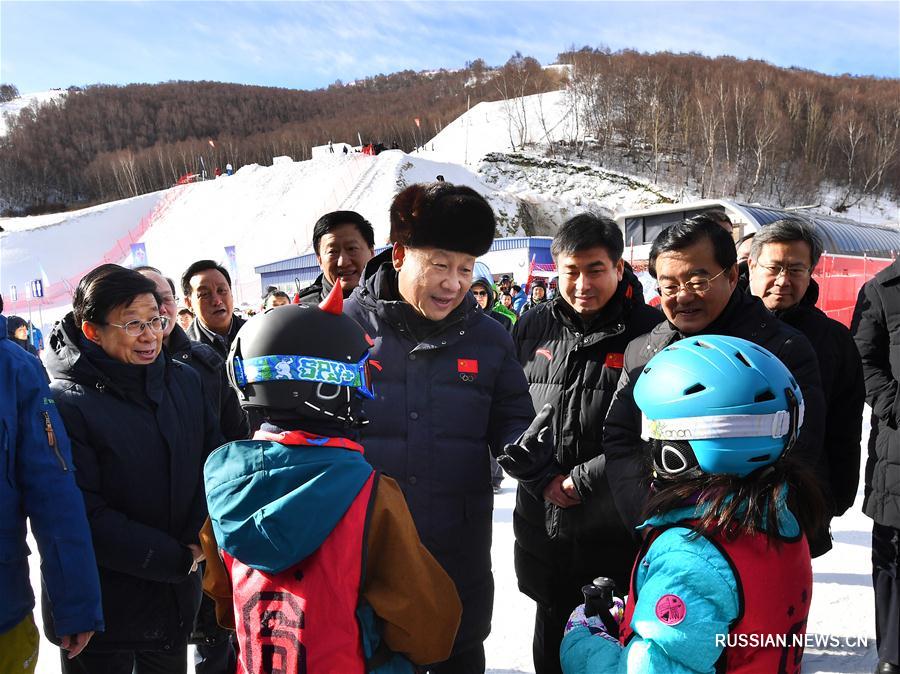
<point x="311" y="44"/>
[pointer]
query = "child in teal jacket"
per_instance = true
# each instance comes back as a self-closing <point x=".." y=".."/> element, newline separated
<point x="723" y="581"/>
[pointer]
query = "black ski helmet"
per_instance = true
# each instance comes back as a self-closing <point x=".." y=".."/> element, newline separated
<point x="303" y="361"/>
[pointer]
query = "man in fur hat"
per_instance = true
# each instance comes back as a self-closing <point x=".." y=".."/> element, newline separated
<point x="451" y="392"/>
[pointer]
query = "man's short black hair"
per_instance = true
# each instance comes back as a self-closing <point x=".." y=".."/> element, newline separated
<point x="196" y="268"/>
<point x="686" y="233"/>
<point x="717" y="215"/>
<point x="185" y="310"/>
<point x="333" y="220"/>
<point x="517" y="288"/>
<point x="108" y="286"/>
<point x="586" y="231"/>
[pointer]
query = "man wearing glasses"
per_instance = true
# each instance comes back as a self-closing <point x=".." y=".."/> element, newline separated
<point x="782" y="258"/>
<point x="695" y="265"/>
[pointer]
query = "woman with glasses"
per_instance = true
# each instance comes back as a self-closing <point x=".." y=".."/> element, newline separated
<point x="140" y="430"/>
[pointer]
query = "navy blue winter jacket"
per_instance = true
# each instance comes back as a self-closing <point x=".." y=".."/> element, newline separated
<point x="37" y="481"/>
<point x="442" y="405"/>
<point x="140" y="435"/>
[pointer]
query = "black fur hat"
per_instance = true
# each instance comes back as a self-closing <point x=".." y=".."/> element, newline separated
<point x="443" y="215"/>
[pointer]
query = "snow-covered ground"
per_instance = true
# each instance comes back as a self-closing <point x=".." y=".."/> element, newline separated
<point x="842" y="606"/>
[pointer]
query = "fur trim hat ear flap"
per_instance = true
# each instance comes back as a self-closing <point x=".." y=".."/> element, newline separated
<point x="443" y="215"/>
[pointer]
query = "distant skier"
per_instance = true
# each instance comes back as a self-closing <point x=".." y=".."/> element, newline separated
<point x="725" y="568"/>
<point x="315" y="555"/>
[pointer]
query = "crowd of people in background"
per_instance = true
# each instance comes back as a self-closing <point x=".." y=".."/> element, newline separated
<point x="363" y="422"/>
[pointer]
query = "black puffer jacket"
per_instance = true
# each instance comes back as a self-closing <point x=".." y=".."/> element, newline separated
<point x="876" y="331"/>
<point x="211" y="368"/>
<point x="140" y="435"/>
<point x="575" y="367"/>
<point x="447" y="394"/>
<point x="845" y="394"/>
<point x="744" y="316"/>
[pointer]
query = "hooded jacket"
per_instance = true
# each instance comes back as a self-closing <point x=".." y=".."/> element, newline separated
<point x="37" y="480"/>
<point x="448" y="394"/>
<point x="282" y="504"/>
<point x="575" y="367"/>
<point x="139" y="437"/>
<point x="844" y="389"/>
<point x="876" y="331"/>
<point x="502" y="317"/>
<point x="744" y="316"/>
<point x="13" y="323"/>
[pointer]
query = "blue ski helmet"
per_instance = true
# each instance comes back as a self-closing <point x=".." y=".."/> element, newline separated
<point x="718" y="405"/>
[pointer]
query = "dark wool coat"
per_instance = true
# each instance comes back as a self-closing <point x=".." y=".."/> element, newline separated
<point x="442" y="404"/>
<point x="876" y="331"/>
<point x="140" y="435"/>
<point x="746" y="317"/>
<point x="845" y="394"/>
<point x="211" y="368"/>
<point x="575" y="367"/>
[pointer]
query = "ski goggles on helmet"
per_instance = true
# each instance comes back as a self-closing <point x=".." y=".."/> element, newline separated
<point x="305" y="368"/>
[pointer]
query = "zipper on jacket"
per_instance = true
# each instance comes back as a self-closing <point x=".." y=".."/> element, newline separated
<point x="51" y="440"/>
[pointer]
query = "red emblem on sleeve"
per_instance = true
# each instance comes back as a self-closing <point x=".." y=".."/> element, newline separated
<point x="467" y="365"/>
<point x="615" y="360"/>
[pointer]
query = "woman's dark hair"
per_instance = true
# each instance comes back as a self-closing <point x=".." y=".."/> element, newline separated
<point x="688" y="232"/>
<point x="106" y="287"/>
<point x="333" y="220"/>
<point x="736" y="506"/>
<point x="586" y="231"/>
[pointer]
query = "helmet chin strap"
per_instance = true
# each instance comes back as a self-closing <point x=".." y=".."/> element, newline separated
<point x="795" y="411"/>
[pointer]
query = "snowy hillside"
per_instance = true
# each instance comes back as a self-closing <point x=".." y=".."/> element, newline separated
<point x="16" y="105"/>
<point x="268" y="213"/>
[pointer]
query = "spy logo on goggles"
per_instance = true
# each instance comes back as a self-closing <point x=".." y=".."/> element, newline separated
<point x="304" y="368"/>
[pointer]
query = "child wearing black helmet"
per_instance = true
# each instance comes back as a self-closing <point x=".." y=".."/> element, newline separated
<point x="313" y="557"/>
<point x="723" y="581"/>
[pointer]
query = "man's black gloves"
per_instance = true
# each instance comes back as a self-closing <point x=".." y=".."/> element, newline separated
<point x="532" y="458"/>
